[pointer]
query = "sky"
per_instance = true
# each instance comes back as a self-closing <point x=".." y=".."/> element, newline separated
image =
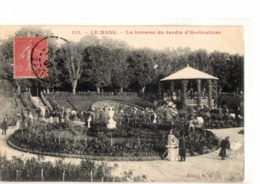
<point x="221" y="38"/>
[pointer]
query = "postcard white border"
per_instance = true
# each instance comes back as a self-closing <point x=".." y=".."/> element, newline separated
<point x="248" y="67"/>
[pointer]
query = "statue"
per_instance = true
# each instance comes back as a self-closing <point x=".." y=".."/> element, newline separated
<point x="111" y="123"/>
<point x="89" y="116"/>
<point x="89" y="119"/>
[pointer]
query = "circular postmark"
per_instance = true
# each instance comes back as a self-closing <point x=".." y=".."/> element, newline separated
<point x="47" y="59"/>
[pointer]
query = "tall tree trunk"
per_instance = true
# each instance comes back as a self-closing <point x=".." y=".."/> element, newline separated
<point x="74" y="86"/>
<point x="121" y="89"/>
<point x="48" y="90"/>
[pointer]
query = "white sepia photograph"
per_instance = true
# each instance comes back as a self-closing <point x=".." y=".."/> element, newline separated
<point x="114" y="103"/>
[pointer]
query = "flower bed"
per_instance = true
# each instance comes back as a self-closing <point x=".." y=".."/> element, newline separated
<point x="127" y="142"/>
<point x="92" y="149"/>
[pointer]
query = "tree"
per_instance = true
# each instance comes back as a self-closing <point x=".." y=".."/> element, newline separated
<point x="199" y="60"/>
<point x="89" y="40"/>
<point x="58" y="74"/>
<point x="106" y="62"/>
<point x="7" y="66"/>
<point x="113" y="44"/>
<point x="219" y="63"/>
<point x="236" y="73"/>
<point x="120" y="76"/>
<point x="182" y="59"/>
<point x="99" y="66"/>
<point x="141" y="68"/>
<point x="73" y="64"/>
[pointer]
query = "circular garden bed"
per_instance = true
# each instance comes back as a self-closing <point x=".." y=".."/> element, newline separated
<point x="127" y="142"/>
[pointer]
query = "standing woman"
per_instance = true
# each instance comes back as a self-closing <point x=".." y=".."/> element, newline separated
<point x="4" y="126"/>
<point x="30" y="119"/>
<point x="224" y="145"/>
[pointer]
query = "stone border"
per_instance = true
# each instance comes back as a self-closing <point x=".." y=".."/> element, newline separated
<point x="98" y="158"/>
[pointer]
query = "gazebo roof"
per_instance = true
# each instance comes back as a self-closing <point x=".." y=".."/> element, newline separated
<point x="189" y="73"/>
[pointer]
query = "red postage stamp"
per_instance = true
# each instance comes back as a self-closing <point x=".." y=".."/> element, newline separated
<point x="24" y="58"/>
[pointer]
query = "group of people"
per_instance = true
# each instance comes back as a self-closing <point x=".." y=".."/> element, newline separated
<point x="224" y="146"/>
<point x="166" y="113"/>
<point x="27" y="118"/>
<point x="23" y="120"/>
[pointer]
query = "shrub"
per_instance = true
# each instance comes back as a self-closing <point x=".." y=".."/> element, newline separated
<point x="241" y="131"/>
<point x="30" y="170"/>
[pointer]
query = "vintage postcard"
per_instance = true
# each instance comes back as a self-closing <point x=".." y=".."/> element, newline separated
<point x="114" y="103"/>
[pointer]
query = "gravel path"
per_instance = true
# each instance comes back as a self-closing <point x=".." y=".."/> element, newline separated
<point x="203" y="168"/>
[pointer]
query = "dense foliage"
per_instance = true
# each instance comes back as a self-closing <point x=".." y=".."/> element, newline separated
<point x="109" y="65"/>
<point x="36" y="169"/>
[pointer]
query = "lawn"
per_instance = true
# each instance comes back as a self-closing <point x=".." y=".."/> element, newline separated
<point x="84" y="102"/>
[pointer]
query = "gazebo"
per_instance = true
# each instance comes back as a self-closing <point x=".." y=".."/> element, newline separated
<point x="190" y="74"/>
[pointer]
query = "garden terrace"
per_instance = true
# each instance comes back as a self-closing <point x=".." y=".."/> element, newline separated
<point x="213" y="118"/>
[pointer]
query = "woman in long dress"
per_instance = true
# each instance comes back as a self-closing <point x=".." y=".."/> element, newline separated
<point x="224" y="145"/>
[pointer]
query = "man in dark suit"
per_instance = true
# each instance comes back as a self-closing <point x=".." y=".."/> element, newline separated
<point x="182" y="147"/>
<point x="4" y="126"/>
